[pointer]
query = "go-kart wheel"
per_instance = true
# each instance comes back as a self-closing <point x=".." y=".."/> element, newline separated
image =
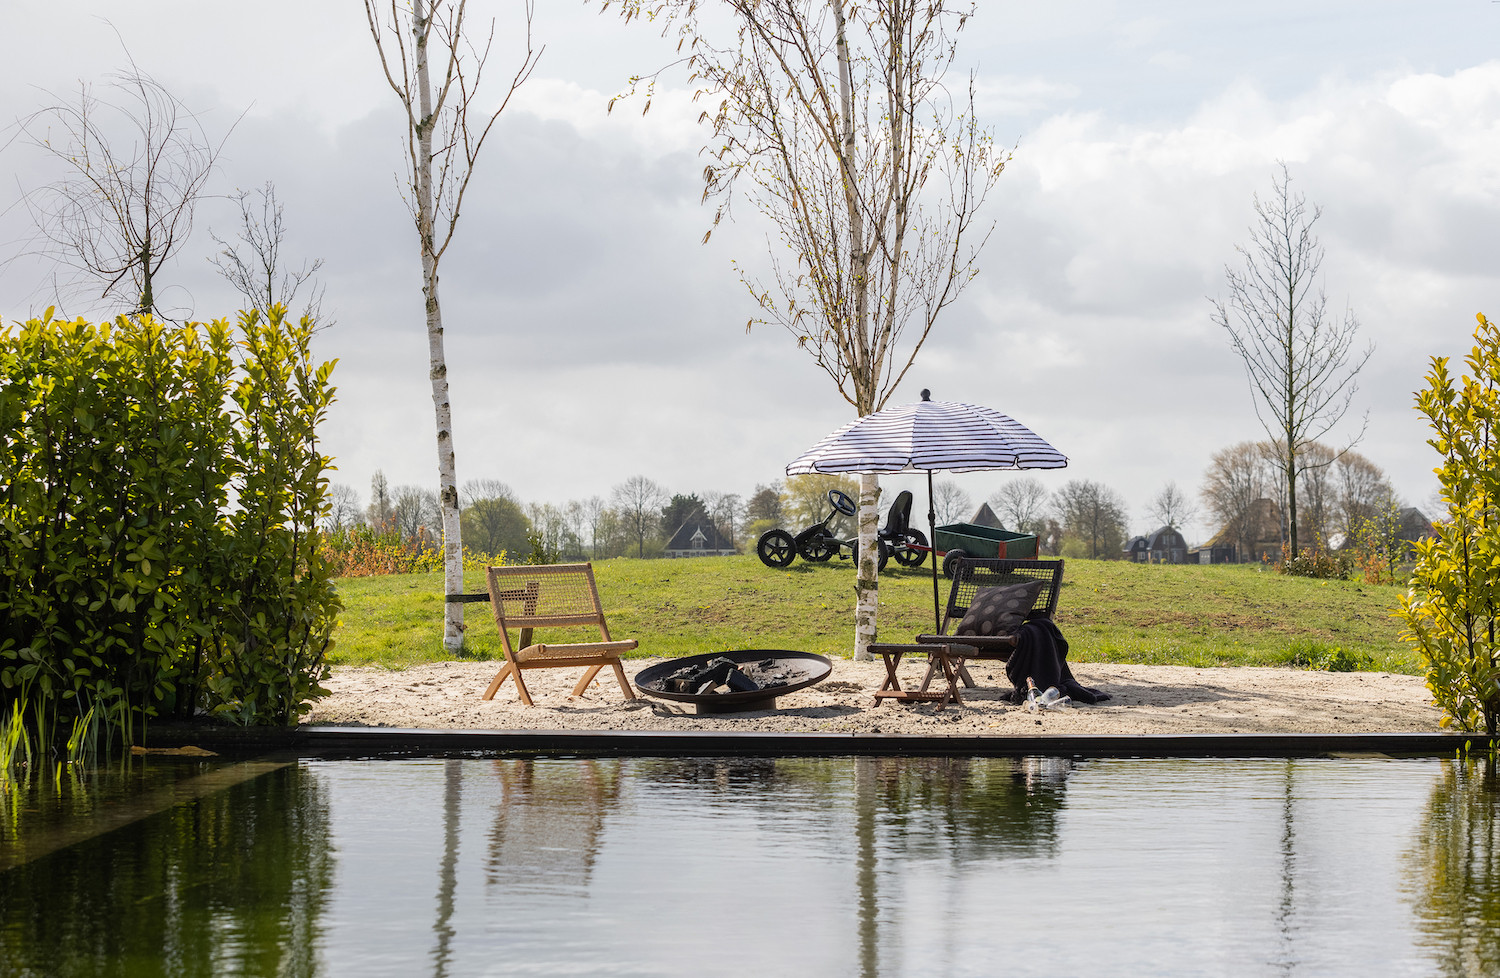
<point x="776" y="548"/>
<point x="841" y="502"/>
<point x="906" y="553"/>
<point x="948" y="560"/>
<point x="818" y="549"/>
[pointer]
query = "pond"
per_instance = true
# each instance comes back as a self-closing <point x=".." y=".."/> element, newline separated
<point x="849" y="866"/>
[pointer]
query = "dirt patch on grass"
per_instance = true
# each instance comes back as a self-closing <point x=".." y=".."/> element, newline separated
<point x="1147" y="700"/>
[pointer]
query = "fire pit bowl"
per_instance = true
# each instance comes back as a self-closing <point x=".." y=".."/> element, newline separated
<point x="790" y="671"/>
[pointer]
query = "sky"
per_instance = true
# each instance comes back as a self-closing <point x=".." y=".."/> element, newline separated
<point x="591" y="336"/>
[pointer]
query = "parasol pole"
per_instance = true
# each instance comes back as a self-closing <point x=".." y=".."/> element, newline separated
<point x="932" y="542"/>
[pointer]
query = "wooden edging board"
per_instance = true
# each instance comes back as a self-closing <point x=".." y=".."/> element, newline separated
<point x="371" y="742"/>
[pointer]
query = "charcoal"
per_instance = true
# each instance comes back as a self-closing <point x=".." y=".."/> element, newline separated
<point x="738" y="682"/>
<point x="690" y="678"/>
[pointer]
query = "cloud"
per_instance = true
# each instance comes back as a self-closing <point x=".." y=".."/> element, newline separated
<point x="591" y="336"/>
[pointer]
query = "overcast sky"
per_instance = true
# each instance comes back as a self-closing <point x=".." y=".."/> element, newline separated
<point x="591" y="337"/>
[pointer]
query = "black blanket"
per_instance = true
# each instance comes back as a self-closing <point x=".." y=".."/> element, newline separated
<point x="1042" y="655"/>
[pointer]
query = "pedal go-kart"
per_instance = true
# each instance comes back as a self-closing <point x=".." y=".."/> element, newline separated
<point x="818" y="544"/>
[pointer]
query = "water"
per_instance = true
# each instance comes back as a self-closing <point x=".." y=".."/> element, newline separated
<point x="782" y="867"/>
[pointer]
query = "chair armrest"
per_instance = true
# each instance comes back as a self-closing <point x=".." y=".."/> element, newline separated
<point x="980" y="642"/>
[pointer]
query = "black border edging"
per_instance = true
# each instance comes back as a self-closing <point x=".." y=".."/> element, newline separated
<point x="372" y="742"/>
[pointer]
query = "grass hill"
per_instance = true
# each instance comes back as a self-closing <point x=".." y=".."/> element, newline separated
<point x="1110" y="611"/>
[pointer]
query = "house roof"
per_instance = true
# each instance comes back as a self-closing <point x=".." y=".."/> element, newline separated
<point x="709" y="537"/>
<point x="1165" y="537"/>
<point x="984" y="516"/>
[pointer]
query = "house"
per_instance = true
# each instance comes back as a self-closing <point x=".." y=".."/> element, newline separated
<point x="1415" y="526"/>
<point x="1164" y="546"/>
<point x="698" y="538"/>
<point x="1256" y="537"/>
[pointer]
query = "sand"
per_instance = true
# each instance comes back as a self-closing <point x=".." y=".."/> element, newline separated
<point x="1147" y="700"/>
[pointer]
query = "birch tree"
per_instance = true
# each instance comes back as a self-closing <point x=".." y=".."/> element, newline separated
<point x="833" y="119"/>
<point x="1300" y="359"/>
<point x="443" y="140"/>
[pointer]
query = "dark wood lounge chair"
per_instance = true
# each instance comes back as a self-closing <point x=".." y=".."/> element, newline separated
<point x="969" y="575"/>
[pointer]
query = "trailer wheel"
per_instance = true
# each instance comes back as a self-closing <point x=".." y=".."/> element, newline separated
<point x="948" y="560"/>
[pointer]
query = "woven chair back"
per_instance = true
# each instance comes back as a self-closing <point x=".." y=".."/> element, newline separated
<point x="545" y="595"/>
<point x="972" y="573"/>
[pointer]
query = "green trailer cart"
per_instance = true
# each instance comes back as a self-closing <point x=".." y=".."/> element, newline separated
<point x="957" y="540"/>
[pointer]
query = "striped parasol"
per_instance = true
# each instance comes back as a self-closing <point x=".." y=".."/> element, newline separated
<point x="930" y="436"/>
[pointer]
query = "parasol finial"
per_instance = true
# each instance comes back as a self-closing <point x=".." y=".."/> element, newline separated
<point x="926" y="394"/>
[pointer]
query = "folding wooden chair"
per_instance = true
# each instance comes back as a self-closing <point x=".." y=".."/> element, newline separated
<point x="545" y="596"/>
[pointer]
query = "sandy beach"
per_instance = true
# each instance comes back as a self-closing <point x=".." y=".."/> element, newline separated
<point x="1146" y="700"/>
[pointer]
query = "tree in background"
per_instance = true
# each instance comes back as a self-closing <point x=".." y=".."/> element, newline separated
<point x="1021" y="504"/>
<point x="414" y="513"/>
<point x="442" y="146"/>
<point x="806" y="496"/>
<point x="494" y="522"/>
<point x="679" y="509"/>
<point x="253" y="264"/>
<point x="838" y="117"/>
<point x="1235" y="479"/>
<point x="1171" y="507"/>
<point x="594" y="513"/>
<point x="139" y="163"/>
<point x="1093" y="518"/>
<point x="723" y="509"/>
<point x="380" y="502"/>
<point x="638" y="503"/>
<point x="765" y="505"/>
<point x="1299" y="359"/>
<point x="344" y="509"/>
<point x="1454" y="599"/>
<point x="1362" y="490"/>
<point x="950" y="502"/>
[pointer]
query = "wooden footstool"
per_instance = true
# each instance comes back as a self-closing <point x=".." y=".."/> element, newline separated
<point x="941" y="655"/>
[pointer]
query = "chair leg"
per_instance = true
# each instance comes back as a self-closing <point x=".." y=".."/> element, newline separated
<point x="499" y="680"/>
<point x="624" y="683"/>
<point x="521" y="687"/>
<point x="588" y="677"/>
<point x="963" y="670"/>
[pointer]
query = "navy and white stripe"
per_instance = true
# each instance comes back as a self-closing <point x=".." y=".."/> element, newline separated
<point x="930" y="436"/>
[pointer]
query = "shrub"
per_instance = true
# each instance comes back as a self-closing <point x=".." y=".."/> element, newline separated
<point x="1324" y="564"/>
<point x="1450" y="609"/>
<point x="1308" y="654"/>
<point x="159" y="486"/>
<point x="363" y="552"/>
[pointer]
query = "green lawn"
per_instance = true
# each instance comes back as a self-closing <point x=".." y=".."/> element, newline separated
<point x="1110" y="611"/>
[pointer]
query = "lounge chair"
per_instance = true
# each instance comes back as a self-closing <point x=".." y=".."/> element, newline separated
<point x="970" y="574"/>
<point x="546" y="596"/>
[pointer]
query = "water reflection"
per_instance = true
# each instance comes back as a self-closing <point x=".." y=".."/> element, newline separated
<point x="732" y="866"/>
<point x="233" y="882"/>
<point x="1455" y="870"/>
<point x="548" y="822"/>
<point x="970" y="808"/>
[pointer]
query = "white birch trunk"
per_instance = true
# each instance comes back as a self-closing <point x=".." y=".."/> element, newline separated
<point x="865" y="373"/>
<point x="867" y="580"/>
<point x="453" y="551"/>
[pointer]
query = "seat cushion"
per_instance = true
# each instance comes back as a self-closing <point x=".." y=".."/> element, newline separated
<point x="999" y="610"/>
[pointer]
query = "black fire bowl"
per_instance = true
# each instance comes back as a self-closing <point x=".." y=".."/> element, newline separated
<point x="806" y="668"/>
